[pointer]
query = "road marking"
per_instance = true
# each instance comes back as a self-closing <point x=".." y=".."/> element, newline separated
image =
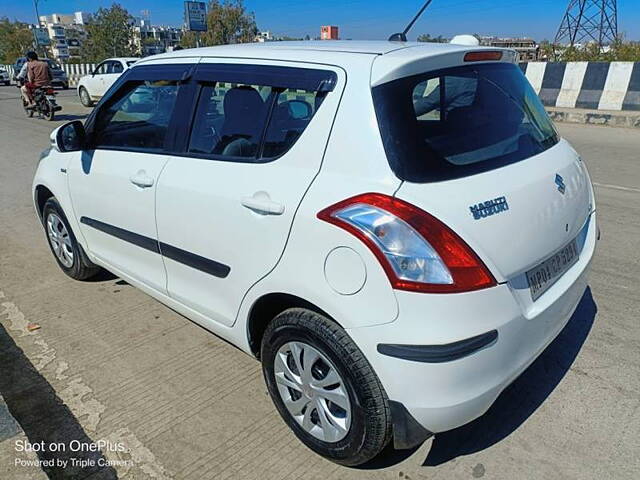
<point x="617" y="187"/>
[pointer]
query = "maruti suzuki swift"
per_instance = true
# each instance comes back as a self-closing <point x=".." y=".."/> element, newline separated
<point x="394" y="230"/>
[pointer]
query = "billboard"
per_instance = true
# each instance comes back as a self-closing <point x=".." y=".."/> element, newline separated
<point x="42" y="36"/>
<point x="195" y="16"/>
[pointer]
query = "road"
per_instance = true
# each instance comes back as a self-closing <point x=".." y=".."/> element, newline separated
<point x="110" y="363"/>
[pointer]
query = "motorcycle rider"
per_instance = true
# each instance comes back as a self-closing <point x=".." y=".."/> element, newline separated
<point x="37" y="75"/>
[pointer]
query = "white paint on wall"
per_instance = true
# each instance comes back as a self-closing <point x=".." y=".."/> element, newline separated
<point x="571" y="84"/>
<point x="535" y="75"/>
<point x="615" y="88"/>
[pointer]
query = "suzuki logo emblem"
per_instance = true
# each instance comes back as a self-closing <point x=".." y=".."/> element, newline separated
<point x="560" y="184"/>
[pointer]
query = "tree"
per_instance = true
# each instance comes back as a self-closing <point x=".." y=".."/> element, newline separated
<point x="188" y="40"/>
<point x="110" y="35"/>
<point x="425" y="37"/>
<point x="15" y="40"/>
<point x="229" y="21"/>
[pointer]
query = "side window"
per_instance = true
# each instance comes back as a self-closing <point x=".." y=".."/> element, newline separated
<point x="250" y="121"/>
<point x="138" y="118"/>
<point x="292" y="112"/>
<point x="101" y="69"/>
<point x="115" y="67"/>
<point x="230" y="119"/>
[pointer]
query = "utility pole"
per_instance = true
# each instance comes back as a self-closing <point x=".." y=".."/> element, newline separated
<point x="587" y="21"/>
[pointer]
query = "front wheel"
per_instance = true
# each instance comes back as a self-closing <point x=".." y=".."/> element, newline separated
<point x="64" y="246"/>
<point x="324" y="388"/>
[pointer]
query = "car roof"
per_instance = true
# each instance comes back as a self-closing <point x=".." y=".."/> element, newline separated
<point x="300" y="50"/>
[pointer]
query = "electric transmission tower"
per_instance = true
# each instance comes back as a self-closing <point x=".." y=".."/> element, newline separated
<point x="589" y="21"/>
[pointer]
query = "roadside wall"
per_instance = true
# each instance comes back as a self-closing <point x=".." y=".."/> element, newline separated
<point x="588" y="85"/>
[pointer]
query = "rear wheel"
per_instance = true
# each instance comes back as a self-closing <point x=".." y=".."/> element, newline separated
<point x="47" y="110"/>
<point x="85" y="98"/>
<point x="324" y="387"/>
<point x="64" y="246"/>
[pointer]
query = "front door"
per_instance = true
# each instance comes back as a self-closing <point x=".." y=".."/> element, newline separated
<point x="225" y="207"/>
<point x="113" y="184"/>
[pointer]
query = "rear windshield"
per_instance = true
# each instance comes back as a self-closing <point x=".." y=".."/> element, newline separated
<point x="460" y="121"/>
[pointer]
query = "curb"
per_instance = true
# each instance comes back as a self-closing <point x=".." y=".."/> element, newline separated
<point x="594" y="117"/>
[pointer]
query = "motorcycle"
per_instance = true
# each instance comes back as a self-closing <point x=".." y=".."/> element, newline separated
<point x="45" y="103"/>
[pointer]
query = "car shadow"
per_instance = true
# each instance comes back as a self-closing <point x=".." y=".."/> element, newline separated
<point x="523" y="397"/>
<point x="514" y="405"/>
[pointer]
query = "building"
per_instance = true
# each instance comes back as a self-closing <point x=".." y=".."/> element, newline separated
<point x="62" y="28"/>
<point x="528" y="50"/>
<point x="264" y="37"/>
<point x="329" y="32"/>
<point x="151" y="40"/>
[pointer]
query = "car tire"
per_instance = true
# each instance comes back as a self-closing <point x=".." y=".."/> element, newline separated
<point x="349" y="432"/>
<point x="68" y="253"/>
<point x="85" y="98"/>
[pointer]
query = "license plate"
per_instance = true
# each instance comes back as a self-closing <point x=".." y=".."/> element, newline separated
<point x="542" y="277"/>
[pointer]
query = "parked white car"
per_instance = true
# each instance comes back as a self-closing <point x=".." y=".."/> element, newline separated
<point x="93" y="86"/>
<point x="395" y="230"/>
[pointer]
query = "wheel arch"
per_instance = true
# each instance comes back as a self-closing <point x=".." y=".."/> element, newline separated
<point x="269" y="306"/>
<point x="41" y="195"/>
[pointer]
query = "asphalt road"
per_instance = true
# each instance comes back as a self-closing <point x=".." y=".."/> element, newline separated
<point x="110" y="363"/>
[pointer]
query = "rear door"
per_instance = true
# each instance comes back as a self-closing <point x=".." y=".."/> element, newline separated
<point x="477" y="150"/>
<point x="225" y="207"/>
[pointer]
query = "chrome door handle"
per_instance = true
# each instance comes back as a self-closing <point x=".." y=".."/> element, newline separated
<point x="141" y="179"/>
<point x="261" y="203"/>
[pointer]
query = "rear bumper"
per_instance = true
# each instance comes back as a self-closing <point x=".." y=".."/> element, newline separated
<point x="447" y="394"/>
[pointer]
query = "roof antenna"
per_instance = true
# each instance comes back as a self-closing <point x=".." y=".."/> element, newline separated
<point x="402" y="37"/>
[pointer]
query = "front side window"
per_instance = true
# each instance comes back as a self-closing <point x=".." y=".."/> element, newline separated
<point x="138" y="118"/>
<point x="254" y="122"/>
<point x="461" y="121"/>
<point x="101" y="69"/>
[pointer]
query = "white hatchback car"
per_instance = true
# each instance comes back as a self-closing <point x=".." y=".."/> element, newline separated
<point x="93" y="86"/>
<point x="395" y="230"/>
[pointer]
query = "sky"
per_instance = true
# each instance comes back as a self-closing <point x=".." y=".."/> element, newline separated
<point x="364" y="19"/>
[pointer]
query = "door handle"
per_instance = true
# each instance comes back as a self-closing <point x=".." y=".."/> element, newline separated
<point x="141" y="179"/>
<point x="261" y="203"/>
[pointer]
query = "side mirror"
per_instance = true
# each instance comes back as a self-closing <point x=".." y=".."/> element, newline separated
<point x="70" y="137"/>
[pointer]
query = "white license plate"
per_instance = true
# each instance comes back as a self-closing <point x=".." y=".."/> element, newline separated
<point x="542" y="277"/>
<point x="51" y="98"/>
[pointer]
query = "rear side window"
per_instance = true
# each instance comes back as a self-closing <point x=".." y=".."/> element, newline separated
<point x="461" y="121"/>
<point x="138" y="118"/>
<point x="255" y="122"/>
<point x="230" y="120"/>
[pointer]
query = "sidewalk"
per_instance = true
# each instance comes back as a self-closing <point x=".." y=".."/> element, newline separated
<point x="628" y="119"/>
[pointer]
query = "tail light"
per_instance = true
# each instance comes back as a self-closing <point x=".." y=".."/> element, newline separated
<point x="49" y="91"/>
<point x="417" y="251"/>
